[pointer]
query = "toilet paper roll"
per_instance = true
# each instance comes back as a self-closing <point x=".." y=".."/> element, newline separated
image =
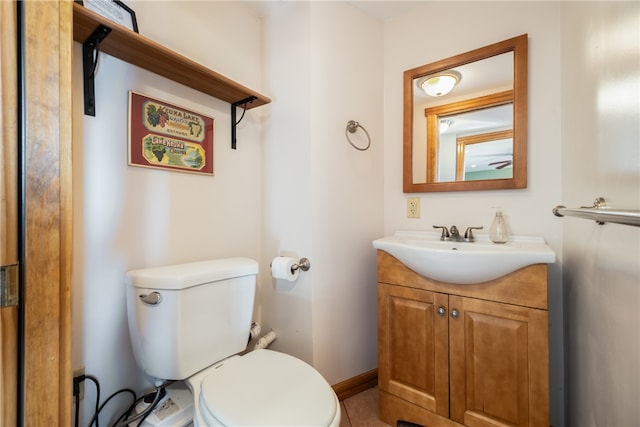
<point x="281" y="268"/>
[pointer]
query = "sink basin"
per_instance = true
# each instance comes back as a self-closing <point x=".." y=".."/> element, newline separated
<point x="462" y="262"/>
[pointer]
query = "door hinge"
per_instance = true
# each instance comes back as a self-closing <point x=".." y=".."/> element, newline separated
<point x="9" y="285"/>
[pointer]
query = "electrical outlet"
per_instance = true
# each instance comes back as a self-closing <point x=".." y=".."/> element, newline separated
<point x="413" y="207"/>
<point x="77" y="373"/>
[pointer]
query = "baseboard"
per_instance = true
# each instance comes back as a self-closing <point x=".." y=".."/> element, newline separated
<point x="357" y="384"/>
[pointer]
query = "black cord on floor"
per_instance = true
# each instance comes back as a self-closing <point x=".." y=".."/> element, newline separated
<point x="98" y="408"/>
<point x="153" y="406"/>
<point x="76" y="393"/>
<point x="77" y="396"/>
<point x="153" y="400"/>
<point x="128" y="412"/>
<point x="95" y="381"/>
<point x="97" y="414"/>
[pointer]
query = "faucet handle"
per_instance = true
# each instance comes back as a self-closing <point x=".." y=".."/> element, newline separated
<point x="468" y="234"/>
<point x="445" y="232"/>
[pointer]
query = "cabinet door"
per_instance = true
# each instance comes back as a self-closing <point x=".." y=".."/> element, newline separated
<point x="499" y="364"/>
<point x="413" y="346"/>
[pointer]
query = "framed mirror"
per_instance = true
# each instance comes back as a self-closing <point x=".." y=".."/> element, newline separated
<point x="473" y="137"/>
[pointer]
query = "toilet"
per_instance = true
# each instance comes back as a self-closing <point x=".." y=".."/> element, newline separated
<point x="190" y="322"/>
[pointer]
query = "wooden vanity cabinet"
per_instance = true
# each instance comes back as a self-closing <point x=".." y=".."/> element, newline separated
<point x="451" y="355"/>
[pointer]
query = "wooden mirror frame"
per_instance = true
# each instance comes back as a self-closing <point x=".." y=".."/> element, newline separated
<point x="517" y="45"/>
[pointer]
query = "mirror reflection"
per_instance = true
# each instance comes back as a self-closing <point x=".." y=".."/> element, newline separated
<point x="465" y="121"/>
<point x="485" y="156"/>
<point x="446" y="124"/>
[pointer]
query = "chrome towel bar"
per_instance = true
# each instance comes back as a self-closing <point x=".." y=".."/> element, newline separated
<point x="601" y="213"/>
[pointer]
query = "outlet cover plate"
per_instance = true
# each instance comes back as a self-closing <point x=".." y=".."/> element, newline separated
<point x="413" y="207"/>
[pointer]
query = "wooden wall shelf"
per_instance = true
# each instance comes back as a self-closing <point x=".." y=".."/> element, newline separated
<point x="143" y="52"/>
<point x="90" y="28"/>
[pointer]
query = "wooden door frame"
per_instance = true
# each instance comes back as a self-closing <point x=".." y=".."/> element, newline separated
<point x="8" y="210"/>
<point x="46" y="378"/>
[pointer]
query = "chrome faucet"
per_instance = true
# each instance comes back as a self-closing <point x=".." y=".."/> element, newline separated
<point x="453" y="235"/>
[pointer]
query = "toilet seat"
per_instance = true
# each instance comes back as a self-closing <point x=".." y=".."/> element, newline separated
<point x="266" y="388"/>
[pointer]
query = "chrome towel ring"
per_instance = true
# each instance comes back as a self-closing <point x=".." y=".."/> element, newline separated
<point x="352" y="127"/>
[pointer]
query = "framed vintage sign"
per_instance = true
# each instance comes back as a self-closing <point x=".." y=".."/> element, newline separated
<point x="165" y="136"/>
<point x="114" y="10"/>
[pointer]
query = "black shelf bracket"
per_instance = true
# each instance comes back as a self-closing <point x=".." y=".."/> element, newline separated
<point x="235" y="123"/>
<point x="90" y="51"/>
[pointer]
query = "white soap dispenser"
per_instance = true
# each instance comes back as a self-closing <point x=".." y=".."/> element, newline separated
<point x="499" y="232"/>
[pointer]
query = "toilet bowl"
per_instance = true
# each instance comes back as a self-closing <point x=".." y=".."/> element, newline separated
<point x="262" y="388"/>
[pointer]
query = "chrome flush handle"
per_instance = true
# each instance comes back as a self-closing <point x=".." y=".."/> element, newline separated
<point x="154" y="298"/>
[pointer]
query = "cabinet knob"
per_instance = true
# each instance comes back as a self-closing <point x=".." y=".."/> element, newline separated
<point x="454" y="313"/>
<point x="441" y="311"/>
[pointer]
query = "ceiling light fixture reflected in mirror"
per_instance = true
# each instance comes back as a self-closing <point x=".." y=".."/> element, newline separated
<point x="439" y="84"/>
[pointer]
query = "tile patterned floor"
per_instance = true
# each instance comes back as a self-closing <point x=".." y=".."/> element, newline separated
<point x="361" y="410"/>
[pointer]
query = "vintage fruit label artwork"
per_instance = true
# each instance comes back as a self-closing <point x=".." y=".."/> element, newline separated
<point x="162" y="135"/>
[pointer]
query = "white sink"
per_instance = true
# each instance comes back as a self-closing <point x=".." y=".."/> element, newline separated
<point x="463" y="262"/>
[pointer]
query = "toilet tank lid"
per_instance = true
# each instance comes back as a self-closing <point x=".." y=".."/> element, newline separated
<point x="182" y="276"/>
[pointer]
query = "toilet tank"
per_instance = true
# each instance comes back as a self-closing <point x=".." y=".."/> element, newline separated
<point x="184" y="318"/>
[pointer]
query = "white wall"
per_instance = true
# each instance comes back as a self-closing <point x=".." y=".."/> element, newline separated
<point x="323" y="198"/>
<point x="286" y="307"/>
<point x="347" y="187"/>
<point x="601" y="157"/>
<point x="128" y="217"/>
<point x="293" y="187"/>
<point x="415" y="38"/>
